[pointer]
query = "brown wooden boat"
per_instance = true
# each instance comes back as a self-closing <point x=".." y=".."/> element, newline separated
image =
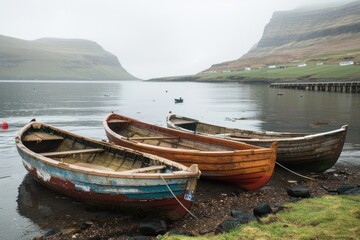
<point x="305" y="152"/>
<point x="250" y="167"/>
<point x="104" y="174"/>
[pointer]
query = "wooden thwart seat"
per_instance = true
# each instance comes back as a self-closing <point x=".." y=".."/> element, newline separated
<point x="93" y="166"/>
<point x="41" y="136"/>
<point x="65" y="153"/>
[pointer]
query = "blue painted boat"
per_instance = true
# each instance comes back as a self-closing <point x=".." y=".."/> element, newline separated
<point x="103" y="174"/>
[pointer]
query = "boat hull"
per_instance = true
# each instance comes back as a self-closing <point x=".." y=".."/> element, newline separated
<point x="249" y="168"/>
<point x="153" y="193"/>
<point x="303" y="152"/>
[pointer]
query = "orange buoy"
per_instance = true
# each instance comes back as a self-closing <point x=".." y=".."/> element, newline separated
<point x="4" y="125"/>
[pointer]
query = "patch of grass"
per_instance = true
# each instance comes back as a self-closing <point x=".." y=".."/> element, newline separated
<point x="326" y="217"/>
<point x="309" y="72"/>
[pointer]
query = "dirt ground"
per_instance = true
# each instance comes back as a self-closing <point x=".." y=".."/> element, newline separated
<point x="215" y="200"/>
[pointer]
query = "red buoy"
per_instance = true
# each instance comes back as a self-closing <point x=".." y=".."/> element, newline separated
<point x="4" y="125"/>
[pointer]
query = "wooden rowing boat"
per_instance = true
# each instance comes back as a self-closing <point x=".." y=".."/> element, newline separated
<point x="248" y="166"/>
<point x="104" y="174"/>
<point x="300" y="151"/>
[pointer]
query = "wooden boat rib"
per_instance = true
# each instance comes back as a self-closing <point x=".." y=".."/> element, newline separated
<point x="305" y="152"/>
<point x="104" y="174"/>
<point x="248" y="166"/>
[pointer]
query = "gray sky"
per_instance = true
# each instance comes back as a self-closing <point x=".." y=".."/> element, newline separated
<point x="151" y="38"/>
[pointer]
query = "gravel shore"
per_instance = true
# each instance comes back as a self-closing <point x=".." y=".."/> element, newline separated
<point x="214" y="202"/>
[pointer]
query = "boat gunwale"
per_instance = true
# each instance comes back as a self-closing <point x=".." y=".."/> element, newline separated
<point x="306" y="136"/>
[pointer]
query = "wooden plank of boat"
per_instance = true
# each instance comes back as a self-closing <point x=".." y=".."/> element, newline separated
<point x="304" y="152"/>
<point x="146" y="169"/>
<point x="248" y="166"/>
<point x="118" y="177"/>
<point x="41" y="137"/>
<point x="154" y="138"/>
<point x="80" y="151"/>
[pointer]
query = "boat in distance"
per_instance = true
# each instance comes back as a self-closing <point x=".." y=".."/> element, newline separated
<point x="103" y="174"/>
<point x="249" y="167"/>
<point x="305" y="152"/>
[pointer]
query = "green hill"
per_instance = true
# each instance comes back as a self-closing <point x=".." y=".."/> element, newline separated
<point x="58" y="59"/>
<point x="317" y="39"/>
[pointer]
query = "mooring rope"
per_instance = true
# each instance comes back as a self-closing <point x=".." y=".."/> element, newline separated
<point x="177" y="198"/>
<point x="310" y="178"/>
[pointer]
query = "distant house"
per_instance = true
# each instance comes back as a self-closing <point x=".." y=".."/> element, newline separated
<point x="247" y="68"/>
<point x="272" y="66"/>
<point x="205" y="72"/>
<point x="302" y="65"/>
<point x="226" y="71"/>
<point x="346" y="63"/>
<point x="319" y="63"/>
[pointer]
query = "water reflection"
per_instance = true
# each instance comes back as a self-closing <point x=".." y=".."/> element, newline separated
<point x="50" y="210"/>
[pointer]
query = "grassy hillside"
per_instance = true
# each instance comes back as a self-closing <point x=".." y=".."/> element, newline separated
<point x="327" y="35"/>
<point x="60" y="59"/>
<point x="290" y="72"/>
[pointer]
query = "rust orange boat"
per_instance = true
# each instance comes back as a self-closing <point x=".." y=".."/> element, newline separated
<point x="248" y="166"/>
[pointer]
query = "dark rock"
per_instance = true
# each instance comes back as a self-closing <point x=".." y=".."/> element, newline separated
<point x="238" y="217"/>
<point x="204" y="231"/>
<point x="298" y="192"/>
<point x="262" y="210"/>
<point x="245" y="217"/>
<point x="230" y="224"/>
<point x="344" y="188"/>
<point x="86" y="225"/>
<point x="51" y="233"/>
<point x="330" y="191"/>
<point x="352" y="191"/>
<point x="280" y="208"/>
<point x="152" y="228"/>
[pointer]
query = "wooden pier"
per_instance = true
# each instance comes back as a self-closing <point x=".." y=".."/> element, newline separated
<point x="347" y="87"/>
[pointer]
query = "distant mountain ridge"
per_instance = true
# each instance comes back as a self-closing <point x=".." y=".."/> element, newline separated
<point x="58" y="59"/>
<point x="327" y="35"/>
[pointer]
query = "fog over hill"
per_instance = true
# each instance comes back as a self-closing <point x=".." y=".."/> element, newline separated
<point x="58" y="59"/>
<point x="327" y="34"/>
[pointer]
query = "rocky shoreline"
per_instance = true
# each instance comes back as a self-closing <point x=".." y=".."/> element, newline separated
<point x="215" y="204"/>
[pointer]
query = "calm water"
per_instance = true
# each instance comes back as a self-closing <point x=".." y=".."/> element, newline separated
<point x="26" y="208"/>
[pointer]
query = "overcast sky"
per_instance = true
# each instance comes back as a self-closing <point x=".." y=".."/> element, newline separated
<point x="151" y="38"/>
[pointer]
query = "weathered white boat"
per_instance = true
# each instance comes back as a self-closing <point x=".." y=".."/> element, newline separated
<point x="100" y="173"/>
<point x="307" y="152"/>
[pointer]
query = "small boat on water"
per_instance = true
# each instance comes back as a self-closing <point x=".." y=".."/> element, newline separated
<point x="103" y="174"/>
<point x="179" y="100"/>
<point x="305" y="152"/>
<point x="250" y="167"/>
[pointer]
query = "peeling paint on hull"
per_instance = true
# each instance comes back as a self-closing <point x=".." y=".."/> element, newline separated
<point x="143" y="194"/>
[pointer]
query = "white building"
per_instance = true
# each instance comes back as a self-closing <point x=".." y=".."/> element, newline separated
<point x="346" y="63"/>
